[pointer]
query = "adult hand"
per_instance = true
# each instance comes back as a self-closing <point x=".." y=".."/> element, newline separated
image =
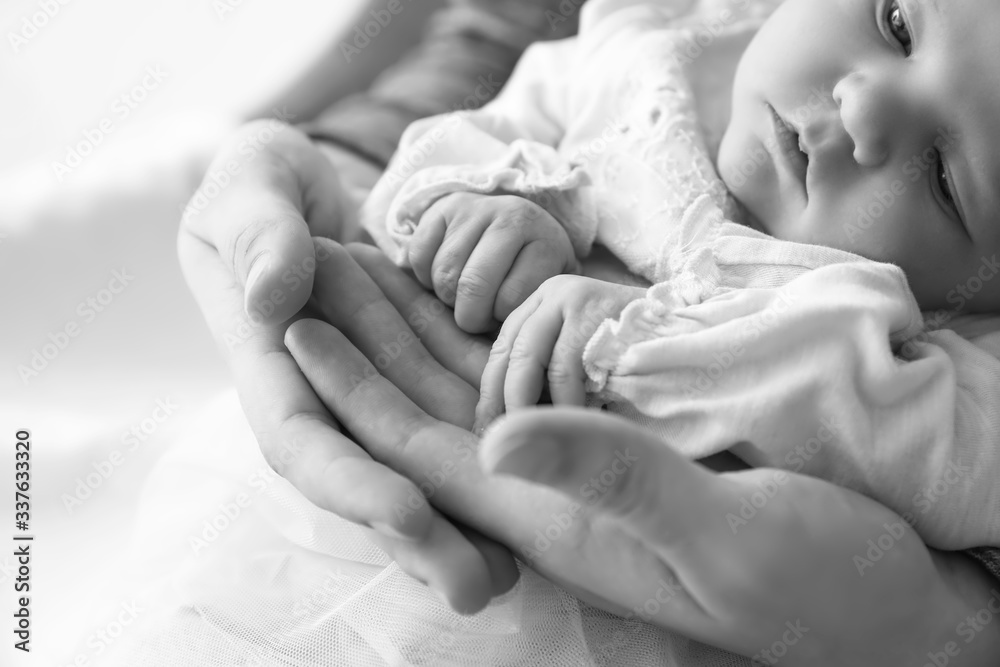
<point x="625" y="522"/>
<point x="247" y="255"/>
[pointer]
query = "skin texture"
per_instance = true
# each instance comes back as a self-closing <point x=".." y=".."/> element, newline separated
<point x="874" y="110"/>
<point x="265" y="217"/>
<point x="541" y="345"/>
<point x="895" y="104"/>
<point x="483" y="255"/>
<point x="650" y="521"/>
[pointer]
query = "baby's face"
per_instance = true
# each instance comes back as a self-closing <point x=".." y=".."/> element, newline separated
<point x="896" y="107"/>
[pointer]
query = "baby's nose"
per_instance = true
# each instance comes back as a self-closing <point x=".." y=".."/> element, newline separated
<point x="863" y="116"/>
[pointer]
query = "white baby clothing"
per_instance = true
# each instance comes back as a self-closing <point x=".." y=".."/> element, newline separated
<point x="790" y="355"/>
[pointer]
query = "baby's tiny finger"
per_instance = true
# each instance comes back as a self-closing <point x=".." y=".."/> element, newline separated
<point x="491" y="387"/>
<point x="425" y="243"/>
<point x="565" y="374"/>
<point x="530" y="357"/>
<point x="537" y="262"/>
<point x="482" y="278"/>
<point x="459" y="242"/>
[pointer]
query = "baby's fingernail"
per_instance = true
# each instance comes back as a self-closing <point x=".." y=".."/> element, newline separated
<point x="260" y="265"/>
<point x="390" y="532"/>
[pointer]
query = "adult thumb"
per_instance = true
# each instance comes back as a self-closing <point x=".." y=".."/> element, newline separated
<point x="612" y="465"/>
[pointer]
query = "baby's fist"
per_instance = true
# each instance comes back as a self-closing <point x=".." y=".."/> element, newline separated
<point x="485" y="254"/>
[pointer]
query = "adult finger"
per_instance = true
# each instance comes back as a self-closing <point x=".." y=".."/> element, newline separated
<point x="641" y="476"/>
<point x="351" y="301"/>
<point x="432" y="321"/>
<point x="395" y="430"/>
<point x="277" y="188"/>
<point x="297" y="435"/>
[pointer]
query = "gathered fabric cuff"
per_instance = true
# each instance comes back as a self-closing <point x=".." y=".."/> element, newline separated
<point x="434" y="161"/>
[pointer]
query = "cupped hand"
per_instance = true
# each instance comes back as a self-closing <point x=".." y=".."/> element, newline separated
<point x="619" y="518"/>
<point x="248" y="257"/>
<point x="483" y="255"/>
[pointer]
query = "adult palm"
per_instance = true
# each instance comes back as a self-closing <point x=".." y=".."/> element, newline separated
<point x="611" y="513"/>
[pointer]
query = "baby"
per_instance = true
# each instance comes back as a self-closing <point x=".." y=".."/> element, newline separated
<point x="808" y="191"/>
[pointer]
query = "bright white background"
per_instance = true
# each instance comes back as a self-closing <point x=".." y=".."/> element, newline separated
<point x="61" y="239"/>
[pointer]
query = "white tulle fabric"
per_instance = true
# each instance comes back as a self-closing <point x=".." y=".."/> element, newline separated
<point x="285" y="583"/>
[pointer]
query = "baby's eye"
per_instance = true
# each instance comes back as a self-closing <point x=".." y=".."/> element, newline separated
<point x="944" y="184"/>
<point x="897" y="26"/>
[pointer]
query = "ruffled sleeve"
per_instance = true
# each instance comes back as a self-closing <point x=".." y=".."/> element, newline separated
<point x="833" y="375"/>
<point x="507" y="147"/>
<point x="513" y="145"/>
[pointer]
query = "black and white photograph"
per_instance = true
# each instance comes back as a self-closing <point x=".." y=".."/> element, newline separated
<point x="500" y="333"/>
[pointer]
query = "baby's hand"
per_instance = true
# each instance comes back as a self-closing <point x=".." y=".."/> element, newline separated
<point x="485" y="254"/>
<point x="545" y="338"/>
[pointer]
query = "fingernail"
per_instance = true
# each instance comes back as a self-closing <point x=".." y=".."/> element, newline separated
<point x="260" y="265"/>
<point x="390" y="532"/>
<point x="515" y="460"/>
